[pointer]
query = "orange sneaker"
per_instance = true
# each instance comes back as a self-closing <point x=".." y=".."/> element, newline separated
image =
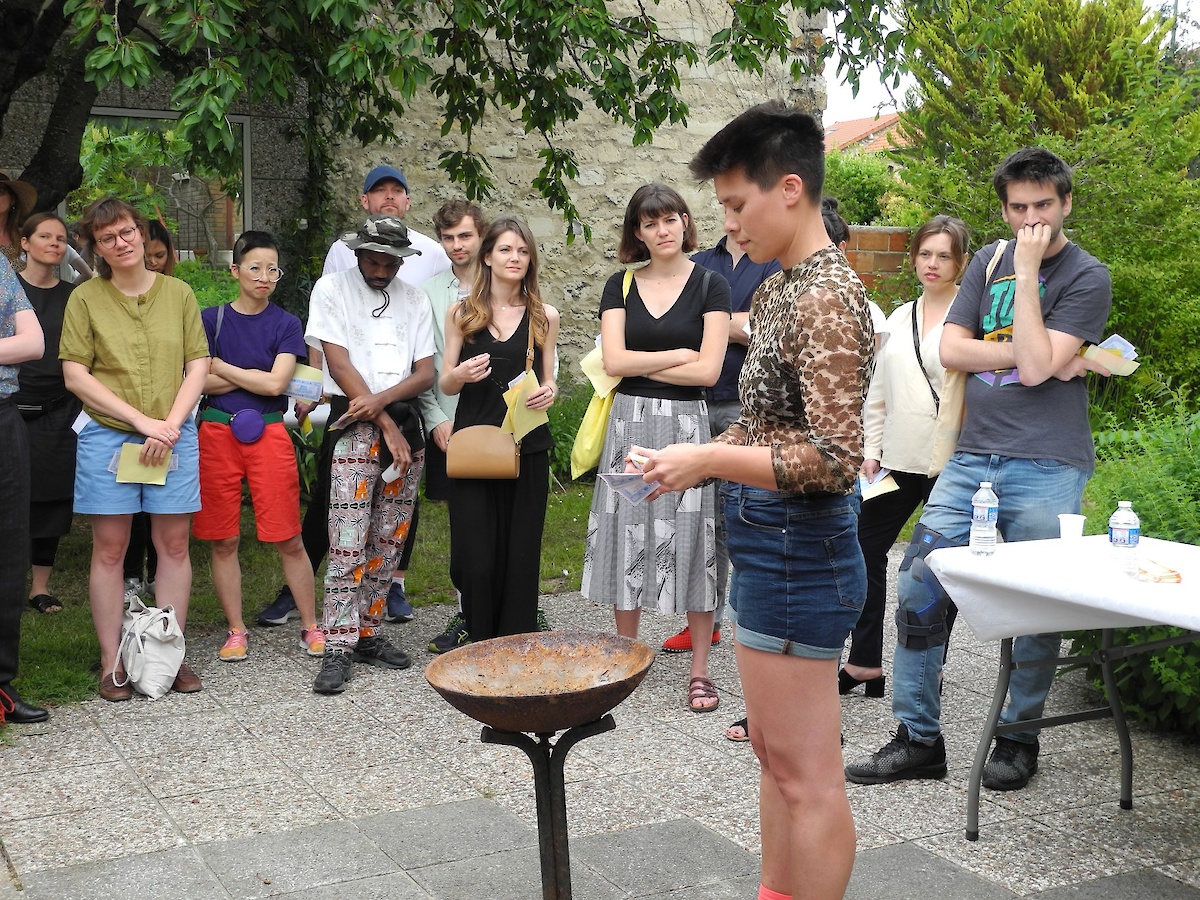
<point x="235" y="647"/>
<point x="682" y="642"/>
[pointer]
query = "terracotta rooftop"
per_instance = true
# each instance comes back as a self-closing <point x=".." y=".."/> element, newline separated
<point x="868" y="134"/>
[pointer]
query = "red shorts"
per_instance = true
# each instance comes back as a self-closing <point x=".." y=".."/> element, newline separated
<point x="268" y="466"/>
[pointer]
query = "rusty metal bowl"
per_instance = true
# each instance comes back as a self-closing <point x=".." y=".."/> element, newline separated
<point x="542" y="682"/>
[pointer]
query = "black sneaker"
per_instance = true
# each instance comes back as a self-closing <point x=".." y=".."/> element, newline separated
<point x="334" y="674"/>
<point x="543" y="623"/>
<point x="899" y="759"/>
<point x="377" y="651"/>
<point x="282" y="608"/>
<point x="455" y="635"/>
<point x="1011" y="765"/>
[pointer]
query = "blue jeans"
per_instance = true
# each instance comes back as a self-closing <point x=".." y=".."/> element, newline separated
<point x="1032" y="493"/>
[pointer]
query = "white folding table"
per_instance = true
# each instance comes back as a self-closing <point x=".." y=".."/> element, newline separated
<point x="1032" y="587"/>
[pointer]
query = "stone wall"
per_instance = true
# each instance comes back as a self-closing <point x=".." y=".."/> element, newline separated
<point x="572" y="275"/>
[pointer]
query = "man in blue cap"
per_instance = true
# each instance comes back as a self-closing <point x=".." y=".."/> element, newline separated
<point x="385" y="192"/>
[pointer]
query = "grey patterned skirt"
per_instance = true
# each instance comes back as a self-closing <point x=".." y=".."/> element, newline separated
<point x="659" y="555"/>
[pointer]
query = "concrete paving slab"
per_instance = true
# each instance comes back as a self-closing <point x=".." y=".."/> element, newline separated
<point x="510" y="875"/>
<point x="1146" y="885"/>
<point x="269" y="864"/>
<point x="397" y="886"/>
<point x="447" y="832"/>
<point x="905" y="871"/>
<point x="178" y="874"/>
<point x="668" y="856"/>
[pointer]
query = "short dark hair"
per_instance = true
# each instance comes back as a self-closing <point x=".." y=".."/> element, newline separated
<point x="1033" y="164"/>
<point x="157" y="231"/>
<point x="960" y="239"/>
<point x="649" y="202"/>
<point x="253" y="240"/>
<point x="454" y="211"/>
<point x="835" y="225"/>
<point x="767" y="142"/>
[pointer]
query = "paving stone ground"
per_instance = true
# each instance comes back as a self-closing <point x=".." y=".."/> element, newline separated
<point x="256" y="787"/>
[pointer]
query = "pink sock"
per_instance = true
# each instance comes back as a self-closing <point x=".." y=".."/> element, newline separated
<point x="765" y="893"/>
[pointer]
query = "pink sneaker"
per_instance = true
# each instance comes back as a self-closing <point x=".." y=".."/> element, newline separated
<point x="312" y="640"/>
<point x="235" y="647"/>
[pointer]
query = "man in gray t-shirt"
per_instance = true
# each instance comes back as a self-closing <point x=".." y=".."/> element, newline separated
<point x="1016" y="327"/>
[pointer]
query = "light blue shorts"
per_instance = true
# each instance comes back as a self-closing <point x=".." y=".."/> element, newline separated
<point x="97" y="491"/>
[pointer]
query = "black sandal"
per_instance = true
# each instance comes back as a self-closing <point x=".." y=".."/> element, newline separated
<point x="742" y="724"/>
<point x="44" y="603"/>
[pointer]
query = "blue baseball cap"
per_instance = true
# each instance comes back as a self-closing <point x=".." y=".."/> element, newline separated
<point x="379" y="173"/>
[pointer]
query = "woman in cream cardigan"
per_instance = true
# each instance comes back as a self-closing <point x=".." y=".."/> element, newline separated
<point x="906" y="430"/>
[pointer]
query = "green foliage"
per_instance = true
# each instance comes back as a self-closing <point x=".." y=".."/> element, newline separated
<point x="125" y="164"/>
<point x="1154" y="465"/>
<point x="860" y="181"/>
<point x="1085" y="80"/>
<point x="574" y="395"/>
<point x="212" y="287"/>
<point x="538" y="60"/>
<point x="307" y="445"/>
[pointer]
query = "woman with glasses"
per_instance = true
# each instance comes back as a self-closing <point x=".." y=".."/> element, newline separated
<point x="254" y="346"/>
<point x="134" y="351"/>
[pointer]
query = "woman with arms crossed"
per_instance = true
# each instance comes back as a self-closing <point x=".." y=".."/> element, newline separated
<point x="793" y="456"/>
<point x="663" y="330"/>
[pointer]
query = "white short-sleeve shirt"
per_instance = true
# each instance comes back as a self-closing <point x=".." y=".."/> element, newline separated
<point x="383" y="347"/>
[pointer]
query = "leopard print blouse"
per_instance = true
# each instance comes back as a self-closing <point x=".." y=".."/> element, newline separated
<point x="806" y="372"/>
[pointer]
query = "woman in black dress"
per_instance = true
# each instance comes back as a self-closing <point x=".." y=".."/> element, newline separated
<point x="496" y="525"/>
<point x="46" y="406"/>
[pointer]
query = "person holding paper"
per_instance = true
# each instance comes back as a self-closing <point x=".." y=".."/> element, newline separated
<point x="134" y="351"/>
<point x="21" y="340"/>
<point x="663" y="331"/>
<point x="791" y="460"/>
<point x="902" y="424"/>
<point x="254" y="346"/>
<point x="1024" y="309"/>
<point x="496" y="524"/>
<point x="376" y="334"/>
<point x="47" y="407"/>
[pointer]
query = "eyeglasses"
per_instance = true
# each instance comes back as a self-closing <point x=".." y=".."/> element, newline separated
<point x="261" y="273"/>
<point x="108" y="241"/>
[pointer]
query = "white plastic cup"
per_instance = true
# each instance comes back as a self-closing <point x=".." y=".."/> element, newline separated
<point x="1070" y="526"/>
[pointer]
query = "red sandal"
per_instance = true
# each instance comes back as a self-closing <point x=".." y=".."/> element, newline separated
<point x="701" y="688"/>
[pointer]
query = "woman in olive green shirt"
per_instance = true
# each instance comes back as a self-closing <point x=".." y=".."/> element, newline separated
<point x="134" y="351"/>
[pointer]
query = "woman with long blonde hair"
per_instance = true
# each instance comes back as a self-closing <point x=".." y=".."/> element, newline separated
<point x="496" y="524"/>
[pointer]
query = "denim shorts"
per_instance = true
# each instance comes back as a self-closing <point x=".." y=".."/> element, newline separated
<point x="799" y="582"/>
<point x="97" y="491"/>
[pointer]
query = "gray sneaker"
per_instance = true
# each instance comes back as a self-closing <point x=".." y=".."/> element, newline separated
<point x="899" y="759"/>
<point x="1011" y="765"/>
<point x="377" y="651"/>
<point x="334" y="674"/>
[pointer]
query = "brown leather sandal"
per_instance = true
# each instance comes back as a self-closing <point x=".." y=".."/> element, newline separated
<point x="700" y="688"/>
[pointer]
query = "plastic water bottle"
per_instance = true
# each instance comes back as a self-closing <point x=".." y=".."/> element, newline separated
<point x="985" y="508"/>
<point x="1124" y="530"/>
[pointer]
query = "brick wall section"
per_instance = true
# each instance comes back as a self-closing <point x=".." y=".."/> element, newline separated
<point x="875" y="251"/>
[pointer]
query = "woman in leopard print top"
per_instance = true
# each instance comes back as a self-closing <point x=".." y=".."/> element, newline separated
<point x="799" y="581"/>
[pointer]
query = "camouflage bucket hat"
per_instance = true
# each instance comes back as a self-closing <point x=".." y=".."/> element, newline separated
<point x="385" y="234"/>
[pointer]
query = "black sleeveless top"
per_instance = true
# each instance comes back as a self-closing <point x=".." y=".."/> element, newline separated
<point x="482" y="403"/>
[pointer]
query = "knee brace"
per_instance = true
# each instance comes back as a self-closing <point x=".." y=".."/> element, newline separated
<point x="925" y="627"/>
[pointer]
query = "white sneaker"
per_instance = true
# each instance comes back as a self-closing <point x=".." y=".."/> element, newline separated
<point x="133" y="590"/>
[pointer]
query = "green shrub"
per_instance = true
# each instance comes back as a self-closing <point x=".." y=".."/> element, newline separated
<point x="212" y="287"/>
<point x="1154" y="465"/>
<point x="859" y="181"/>
<point x="574" y="395"/>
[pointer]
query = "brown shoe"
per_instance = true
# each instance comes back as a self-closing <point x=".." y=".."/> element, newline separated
<point x="113" y="692"/>
<point x="186" y="681"/>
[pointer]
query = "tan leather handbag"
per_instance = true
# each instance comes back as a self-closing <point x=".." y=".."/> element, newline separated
<point x="485" y="451"/>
